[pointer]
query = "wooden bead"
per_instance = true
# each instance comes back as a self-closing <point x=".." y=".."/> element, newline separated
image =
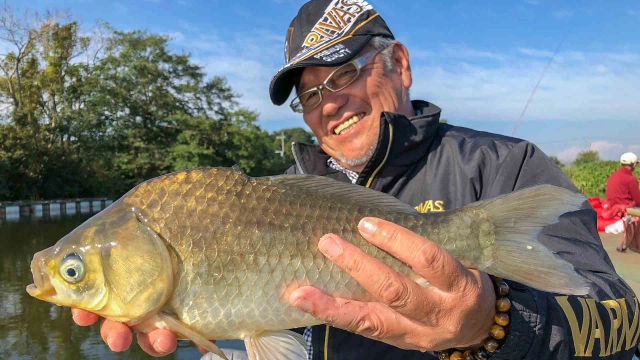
<point x="501" y="319"/>
<point x="503" y="304"/>
<point x="443" y="355"/>
<point x="502" y="288"/>
<point x="490" y="344"/>
<point x="468" y="355"/>
<point x="497" y="332"/>
<point x="481" y="354"/>
<point x="456" y="355"/>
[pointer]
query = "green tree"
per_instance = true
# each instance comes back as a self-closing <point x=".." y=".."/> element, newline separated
<point x="291" y="135"/>
<point x="96" y="115"/>
<point x="585" y="157"/>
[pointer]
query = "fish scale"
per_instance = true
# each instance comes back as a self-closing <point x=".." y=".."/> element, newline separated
<point x="221" y="251"/>
<point x="291" y="217"/>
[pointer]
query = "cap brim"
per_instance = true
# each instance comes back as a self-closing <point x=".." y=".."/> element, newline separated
<point x="284" y="80"/>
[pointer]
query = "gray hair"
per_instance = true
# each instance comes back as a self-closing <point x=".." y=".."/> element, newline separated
<point x="385" y="46"/>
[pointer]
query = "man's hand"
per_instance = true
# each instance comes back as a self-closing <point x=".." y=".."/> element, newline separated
<point x="456" y="309"/>
<point x="118" y="336"/>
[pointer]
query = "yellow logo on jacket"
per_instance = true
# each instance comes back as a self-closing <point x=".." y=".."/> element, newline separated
<point x="430" y="206"/>
<point x="617" y="330"/>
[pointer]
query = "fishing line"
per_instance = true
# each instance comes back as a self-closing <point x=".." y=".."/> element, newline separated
<point x="536" y="87"/>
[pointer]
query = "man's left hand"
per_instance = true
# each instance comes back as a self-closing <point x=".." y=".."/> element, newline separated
<point x="455" y="309"/>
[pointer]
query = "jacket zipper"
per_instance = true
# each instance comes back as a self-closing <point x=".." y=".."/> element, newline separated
<point x="369" y="182"/>
<point x="384" y="160"/>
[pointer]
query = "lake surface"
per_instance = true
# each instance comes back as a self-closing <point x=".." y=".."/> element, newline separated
<point x="33" y="329"/>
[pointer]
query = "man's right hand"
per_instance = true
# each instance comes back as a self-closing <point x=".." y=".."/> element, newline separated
<point x="118" y="336"/>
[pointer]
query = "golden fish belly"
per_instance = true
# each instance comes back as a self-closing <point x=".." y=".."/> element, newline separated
<point x="242" y="287"/>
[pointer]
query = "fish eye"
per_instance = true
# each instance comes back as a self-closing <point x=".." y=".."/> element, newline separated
<point x="72" y="268"/>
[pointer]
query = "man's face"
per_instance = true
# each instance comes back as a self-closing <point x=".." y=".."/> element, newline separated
<point x="347" y="122"/>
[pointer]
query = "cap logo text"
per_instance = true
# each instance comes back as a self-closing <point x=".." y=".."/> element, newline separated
<point x="337" y="18"/>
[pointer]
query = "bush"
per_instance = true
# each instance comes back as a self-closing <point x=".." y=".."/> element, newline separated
<point x="591" y="178"/>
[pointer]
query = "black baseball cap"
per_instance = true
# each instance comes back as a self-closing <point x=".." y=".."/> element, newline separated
<point x="325" y="33"/>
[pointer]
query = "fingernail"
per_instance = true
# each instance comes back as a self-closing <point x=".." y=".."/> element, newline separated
<point x="160" y="347"/>
<point x="111" y="341"/>
<point x="368" y="226"/>
<point x="330" y="246"/>
<point x="302" y="304"/>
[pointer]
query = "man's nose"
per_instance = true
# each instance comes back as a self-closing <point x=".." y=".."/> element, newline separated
<point x="332" y="102"/>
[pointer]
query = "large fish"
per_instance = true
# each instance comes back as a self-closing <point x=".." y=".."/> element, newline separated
<point x="213" y="253"/>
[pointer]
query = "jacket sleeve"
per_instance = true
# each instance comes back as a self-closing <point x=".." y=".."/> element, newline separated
<point x="635" y="191"/>
<point x="543" y="325"/>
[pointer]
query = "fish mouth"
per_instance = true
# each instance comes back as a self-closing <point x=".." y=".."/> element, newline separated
<point x="41" y="288"/>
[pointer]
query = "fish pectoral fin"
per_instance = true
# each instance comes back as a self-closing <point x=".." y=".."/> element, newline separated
<point x="181" y="328"/>
<point x="276" y="345"/>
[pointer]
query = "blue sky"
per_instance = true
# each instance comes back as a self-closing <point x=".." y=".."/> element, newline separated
<point x="478" y="60"/>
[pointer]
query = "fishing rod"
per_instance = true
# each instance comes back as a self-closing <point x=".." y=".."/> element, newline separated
<point x="538" y="83"/>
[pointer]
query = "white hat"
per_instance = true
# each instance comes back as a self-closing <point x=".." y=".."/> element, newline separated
<point x="628" y="158"/>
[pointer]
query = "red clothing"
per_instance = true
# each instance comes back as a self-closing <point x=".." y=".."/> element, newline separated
<point x="622" y="188"/>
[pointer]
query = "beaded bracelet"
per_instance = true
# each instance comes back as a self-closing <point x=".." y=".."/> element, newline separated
<point x="498" y="330"/>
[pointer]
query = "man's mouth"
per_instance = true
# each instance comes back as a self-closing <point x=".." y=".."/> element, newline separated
<point x="340" y="129"/>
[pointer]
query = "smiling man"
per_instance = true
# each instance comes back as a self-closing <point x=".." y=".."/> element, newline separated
<point x="351" y="80"/>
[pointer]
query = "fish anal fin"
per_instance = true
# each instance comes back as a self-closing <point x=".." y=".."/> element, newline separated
<point x="181" y="328"/>
<point x="276" y="345"/>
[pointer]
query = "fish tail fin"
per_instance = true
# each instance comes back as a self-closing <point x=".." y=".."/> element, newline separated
<point x="517" y="254"/>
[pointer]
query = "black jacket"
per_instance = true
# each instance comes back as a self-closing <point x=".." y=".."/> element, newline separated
<point x="436" y="167"/>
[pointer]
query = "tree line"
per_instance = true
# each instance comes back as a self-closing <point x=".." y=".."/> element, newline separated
<point x="589" y="173"/>
<point x="94" y="114"/>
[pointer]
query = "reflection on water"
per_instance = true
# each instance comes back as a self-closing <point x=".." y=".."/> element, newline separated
<point x="34" y="329"/>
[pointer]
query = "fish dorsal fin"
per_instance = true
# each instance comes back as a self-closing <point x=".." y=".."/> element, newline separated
<point x="276" y="345"/>
<point x="238" y="169"/>
<point x="341" y="191"/>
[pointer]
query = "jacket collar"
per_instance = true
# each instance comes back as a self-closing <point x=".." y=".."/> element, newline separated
<point x="401" y="142"/>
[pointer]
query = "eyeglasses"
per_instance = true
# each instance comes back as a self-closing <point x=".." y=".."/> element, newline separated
<point x="339" y="79"/>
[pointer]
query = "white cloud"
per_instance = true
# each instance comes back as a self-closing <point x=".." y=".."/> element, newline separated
<point x="607" y="150"/>
<point x="535" y="52"/>
<point x="466" y="52"/>
<point x="569" y="154"/>
<point x="175" y="36"/>
<point x="577" y="86"/>
<point x="634" y="149"/>
<point x="248" y="62"/>
<point x="468" y="83"/>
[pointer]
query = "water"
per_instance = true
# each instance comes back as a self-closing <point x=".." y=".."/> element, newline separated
<point x="34" y="329"/>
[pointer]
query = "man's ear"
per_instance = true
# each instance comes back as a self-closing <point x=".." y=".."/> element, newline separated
<point x="402" y="64"/>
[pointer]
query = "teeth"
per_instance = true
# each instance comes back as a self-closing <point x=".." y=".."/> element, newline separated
<point x="345" y="125"/>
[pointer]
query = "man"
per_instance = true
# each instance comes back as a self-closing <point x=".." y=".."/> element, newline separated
<point x="622" y="185"/>
<point x="352" y="83"/>
<point x="623" y="193"/>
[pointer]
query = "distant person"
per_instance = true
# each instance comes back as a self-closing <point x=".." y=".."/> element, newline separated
<point x="622" y="193"/>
